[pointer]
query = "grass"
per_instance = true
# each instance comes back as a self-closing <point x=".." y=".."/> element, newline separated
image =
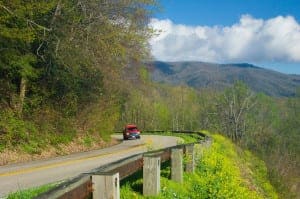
<point x="32" y="192"/>
<point x="223" y="171"/>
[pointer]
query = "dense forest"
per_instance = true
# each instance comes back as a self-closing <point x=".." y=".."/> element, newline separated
<point x="76" y="69"/>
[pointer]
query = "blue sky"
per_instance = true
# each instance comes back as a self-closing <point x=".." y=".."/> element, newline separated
<point x="261" y="32"/>
<point x="225" y="12"/>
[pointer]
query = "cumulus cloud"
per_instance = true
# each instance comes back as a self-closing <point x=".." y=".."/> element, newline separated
<point x="249" y="40"/>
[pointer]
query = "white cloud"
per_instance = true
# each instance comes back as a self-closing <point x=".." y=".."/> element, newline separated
<point x="249" y="40"/>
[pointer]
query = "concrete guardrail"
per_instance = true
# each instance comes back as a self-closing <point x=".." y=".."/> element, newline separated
<point x="104" y="182"/>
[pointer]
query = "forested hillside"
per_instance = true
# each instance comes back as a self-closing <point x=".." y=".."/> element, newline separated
<point x="220" y="76"/>
<point x="61" y="66"/>
<point x="73" y="72"/>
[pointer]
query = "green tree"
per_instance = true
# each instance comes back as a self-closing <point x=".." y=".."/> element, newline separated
<point x="19" y="30"/>
<point x="62" y="59"/>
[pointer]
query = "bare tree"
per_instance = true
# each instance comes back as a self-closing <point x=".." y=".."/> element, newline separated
<point x="232" y="109"/>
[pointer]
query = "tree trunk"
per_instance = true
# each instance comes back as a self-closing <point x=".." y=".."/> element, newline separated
<point x="22" y="95"/>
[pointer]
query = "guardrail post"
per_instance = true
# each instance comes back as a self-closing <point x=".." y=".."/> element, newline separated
<point x="151" y="175"/>
<point x="176" y="165"/>
<point x="207" y="142"/>
<point x="190" y="158"/>
<point x="106" y="186"/>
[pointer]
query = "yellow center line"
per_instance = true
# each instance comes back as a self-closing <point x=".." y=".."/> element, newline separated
<point x="38" y="168"/>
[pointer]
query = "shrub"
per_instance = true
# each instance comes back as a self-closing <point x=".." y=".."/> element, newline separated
<point x="221" y="172"/>
<point x="15" y="131"/>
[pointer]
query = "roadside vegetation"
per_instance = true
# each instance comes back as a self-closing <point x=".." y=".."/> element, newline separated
<point x="30" y="193"/>
<point x="70" y="77"/>
<point x="223" y="171"/>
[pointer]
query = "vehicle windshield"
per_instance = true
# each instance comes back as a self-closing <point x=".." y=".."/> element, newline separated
<point x="132" y="128"/>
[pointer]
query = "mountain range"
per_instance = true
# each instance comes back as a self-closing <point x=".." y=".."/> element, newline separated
<point x="220" y="76"/>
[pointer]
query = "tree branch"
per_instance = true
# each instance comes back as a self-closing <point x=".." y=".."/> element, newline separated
<point x="57" y="12"/>
<point x="5" y="8"/>
<point x="38" y="25"/>
<point x="27" y="20"/>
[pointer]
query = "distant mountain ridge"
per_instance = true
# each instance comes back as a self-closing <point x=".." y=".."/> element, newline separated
<point x="220" y="76"/>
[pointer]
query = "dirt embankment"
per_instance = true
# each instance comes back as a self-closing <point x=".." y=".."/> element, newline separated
<point x="10" y="156"/>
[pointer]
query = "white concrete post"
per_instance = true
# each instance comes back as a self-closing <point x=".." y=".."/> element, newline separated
<point x="106" y="186"/>
<point x="151" y="176"/>
<point x="190" y="158"/>
<point x="176" y="165"/>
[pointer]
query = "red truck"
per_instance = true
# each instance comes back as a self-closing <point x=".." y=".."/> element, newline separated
<point x="131" y="131"/>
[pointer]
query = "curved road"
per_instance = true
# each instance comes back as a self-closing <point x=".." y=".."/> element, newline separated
<point x="32" y="174"/>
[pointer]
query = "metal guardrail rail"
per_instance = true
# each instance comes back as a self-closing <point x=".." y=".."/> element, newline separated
<point x="81" y="186"/>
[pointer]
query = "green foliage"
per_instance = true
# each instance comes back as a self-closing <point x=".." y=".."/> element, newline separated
<point x="87" y="141"/>
<point x="221" y="173"/>
<point x="19" y="32"/>
<point x="58" y="67"/>
<point x="83" y="73"/>
<point x="159" y="107"/>
<point x="32" y="147"/>
<point x="30" y="193"/>
<point x="144" y="73"/>
<point x="14" y="130"/>
<point x="30" y="137"/>
<point x="260" y="174"/>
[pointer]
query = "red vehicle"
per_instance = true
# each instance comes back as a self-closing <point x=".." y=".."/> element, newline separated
<point x="131" y="131"/>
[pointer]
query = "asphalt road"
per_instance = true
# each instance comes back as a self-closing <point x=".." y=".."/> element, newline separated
<point x="16" y="177"/>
